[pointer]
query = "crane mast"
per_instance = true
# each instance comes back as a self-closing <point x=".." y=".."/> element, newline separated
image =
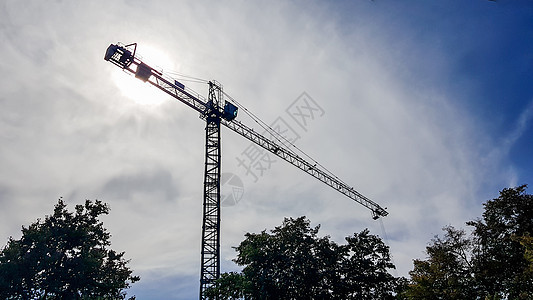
<point x="215" y="114"/>
<point x="210" y="269"/>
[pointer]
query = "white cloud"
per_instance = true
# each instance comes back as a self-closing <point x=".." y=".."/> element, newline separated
<point x="66" y="129"/>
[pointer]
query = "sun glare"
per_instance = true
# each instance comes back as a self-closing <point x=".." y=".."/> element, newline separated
<point x="143" y="92"/>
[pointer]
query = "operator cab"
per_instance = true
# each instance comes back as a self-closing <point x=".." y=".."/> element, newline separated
<point x="230" y="111"/>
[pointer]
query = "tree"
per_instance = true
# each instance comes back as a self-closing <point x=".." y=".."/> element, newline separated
<point x="447" y="272"/>
<point x="501" y="267"/>
<point x="292" y="262"/>
<point x="66" y="256"/>
<point x="494" y="262"/>
<point x="527" y="242"/>
<point x="364" y="264"/>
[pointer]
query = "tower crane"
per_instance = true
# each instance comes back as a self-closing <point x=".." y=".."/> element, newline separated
<point x="216" y="113"/>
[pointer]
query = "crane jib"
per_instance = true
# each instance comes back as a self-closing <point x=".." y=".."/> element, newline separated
<point x="124" y="57"/>
<point x="297" y="161"/>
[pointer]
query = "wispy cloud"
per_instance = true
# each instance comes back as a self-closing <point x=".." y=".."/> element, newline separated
<point x="520" y="127"/>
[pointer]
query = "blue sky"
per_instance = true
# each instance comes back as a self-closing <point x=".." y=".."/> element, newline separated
<point x="427" y="109"/>
<point x="488" y="51"/>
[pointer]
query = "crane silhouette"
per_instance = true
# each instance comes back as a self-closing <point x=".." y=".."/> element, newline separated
<point x="216" y="113"/>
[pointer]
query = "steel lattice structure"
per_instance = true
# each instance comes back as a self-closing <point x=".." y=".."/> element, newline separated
<point x="214" y="114"/>
<point x="210" y="271"/>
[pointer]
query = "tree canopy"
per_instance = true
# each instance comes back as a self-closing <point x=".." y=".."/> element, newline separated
<point x="292" y="262"/>
<point x="494" y="262"/>
<point x="65" y="256"/>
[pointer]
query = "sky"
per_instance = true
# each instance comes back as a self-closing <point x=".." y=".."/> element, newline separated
<point x="425" y="107"/>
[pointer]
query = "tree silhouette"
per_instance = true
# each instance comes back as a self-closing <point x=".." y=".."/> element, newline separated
<point x="501" y="264"/>
<point x="494" y="262"/>
<point x="292" y="262"/>
<point x="65" y="256"/>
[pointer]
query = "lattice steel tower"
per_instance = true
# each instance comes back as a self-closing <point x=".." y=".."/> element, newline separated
<point x="210" y="271"/>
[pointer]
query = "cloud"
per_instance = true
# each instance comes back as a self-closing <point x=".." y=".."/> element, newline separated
<point x="520" y="127"/>
<point x="389" y="127"/>
<point x="157" y="183"/>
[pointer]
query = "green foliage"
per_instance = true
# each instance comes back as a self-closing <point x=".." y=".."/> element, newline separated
<point x="527" y="242"/>
<point x="446" y="274"/>
<point x="231" y="285"/>
<point x="363" y="268"/>
<point x="494" y="262"/>
<point x="500" y="263"/>
<point x="66" y="256"/>
<point x="292" y="262"/>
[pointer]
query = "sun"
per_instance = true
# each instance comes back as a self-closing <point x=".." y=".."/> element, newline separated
<point x="143" y="93"/>
<point x="139" y="92"/>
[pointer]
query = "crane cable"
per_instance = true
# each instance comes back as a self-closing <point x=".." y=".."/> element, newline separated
<point x="280" y="138"/>
<point x="387" y="243"/>
<point x="187" y="77"/>
<point x="277" y="136"/>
